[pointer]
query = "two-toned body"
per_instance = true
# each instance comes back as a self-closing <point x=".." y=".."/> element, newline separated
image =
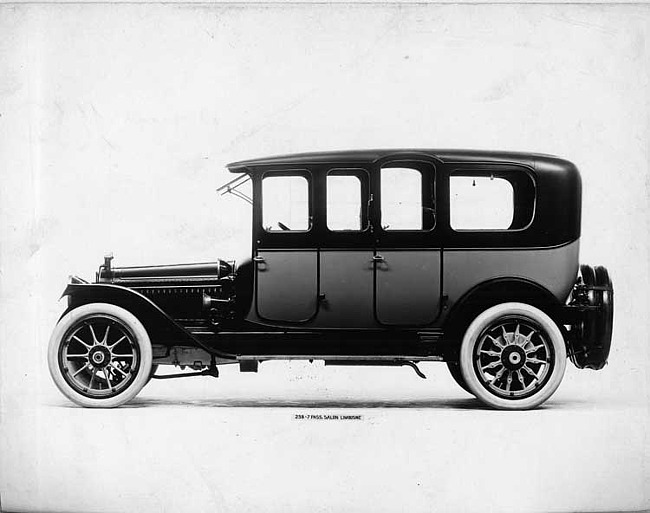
<point x="384" y="257"/>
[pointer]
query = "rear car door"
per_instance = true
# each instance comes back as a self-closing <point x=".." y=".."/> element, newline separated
<point x="346" y="250"/>
<point x="407" y="257"/>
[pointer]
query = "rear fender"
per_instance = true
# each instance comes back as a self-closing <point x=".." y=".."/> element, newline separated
<point x="491" y="293"/>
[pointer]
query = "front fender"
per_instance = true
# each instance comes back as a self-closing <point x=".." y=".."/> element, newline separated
<point x="162" y="329"/>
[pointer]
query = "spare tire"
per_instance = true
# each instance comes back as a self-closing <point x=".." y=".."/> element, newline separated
<point x="594" y="334"/>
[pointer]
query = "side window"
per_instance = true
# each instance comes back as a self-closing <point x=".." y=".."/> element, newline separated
<point x="344" y="205"/>
<point x="285" y="203"/>
<point x="402" y="194"/>
<point x="481" y="203"/>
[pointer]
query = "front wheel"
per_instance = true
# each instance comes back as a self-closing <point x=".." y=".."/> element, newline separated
<point x="513" y="356"/>
<point x="100" y="355"/>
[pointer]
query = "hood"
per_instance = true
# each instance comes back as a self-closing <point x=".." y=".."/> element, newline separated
<point x="166" y="274"/>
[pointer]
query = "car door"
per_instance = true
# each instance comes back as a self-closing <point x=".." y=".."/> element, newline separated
<point x="407" y="258"/>
<point x="286" y="261"/>
<point x="346" y="250"/>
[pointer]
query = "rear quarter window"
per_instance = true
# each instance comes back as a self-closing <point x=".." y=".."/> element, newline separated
<point x="489" y="202"/>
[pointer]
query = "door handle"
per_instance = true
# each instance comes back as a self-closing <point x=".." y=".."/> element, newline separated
<point x="259" y="259"/>
<point x="378" y="258"/>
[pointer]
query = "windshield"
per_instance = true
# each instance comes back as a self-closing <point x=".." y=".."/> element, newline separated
<point x="235" y="188"/>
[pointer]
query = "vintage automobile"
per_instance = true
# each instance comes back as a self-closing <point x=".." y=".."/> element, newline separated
<point x="382" y="257"/>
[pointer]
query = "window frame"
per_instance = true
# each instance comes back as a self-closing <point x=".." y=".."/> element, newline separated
<point x="301" y="172"/>
<point x="505" y="173"/>
<point x="411" y="164"/>
<point x="364" y="192"/>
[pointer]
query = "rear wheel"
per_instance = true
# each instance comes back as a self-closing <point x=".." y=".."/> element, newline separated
<point x="100" y="355"/>
<point x="513" y="356"/>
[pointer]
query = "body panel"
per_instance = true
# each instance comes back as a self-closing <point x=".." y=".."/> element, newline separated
<point x="287" y="285"/>
<point x="555" y="269"/>
<point x="407" y="287"/>
<point x="323" y="279"/>
<point x="346" y="288"/>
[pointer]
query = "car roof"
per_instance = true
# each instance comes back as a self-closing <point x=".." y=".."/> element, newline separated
<point x="372" y="155"/>
<point x="556" y="182"/>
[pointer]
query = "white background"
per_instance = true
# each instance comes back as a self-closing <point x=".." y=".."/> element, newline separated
<point x="116" y="122"/>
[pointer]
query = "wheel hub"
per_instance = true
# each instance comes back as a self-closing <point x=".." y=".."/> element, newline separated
<point x="99" y="357"/>
<point x="513" y="358"/>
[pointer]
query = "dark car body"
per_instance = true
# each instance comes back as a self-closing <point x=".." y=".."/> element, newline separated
<point x="376" y="294"/>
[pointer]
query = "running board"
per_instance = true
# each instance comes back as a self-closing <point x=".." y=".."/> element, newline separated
<point x="374" y="363"/>
<point x="353" y="358"/>
<point x="251" y="363"/>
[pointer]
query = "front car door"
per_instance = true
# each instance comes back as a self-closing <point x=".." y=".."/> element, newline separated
<point x="286" y="260"/>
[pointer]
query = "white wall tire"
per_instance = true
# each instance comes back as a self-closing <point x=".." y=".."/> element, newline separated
<point x="99" y="355"/>
<point x="513" y="356"/>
